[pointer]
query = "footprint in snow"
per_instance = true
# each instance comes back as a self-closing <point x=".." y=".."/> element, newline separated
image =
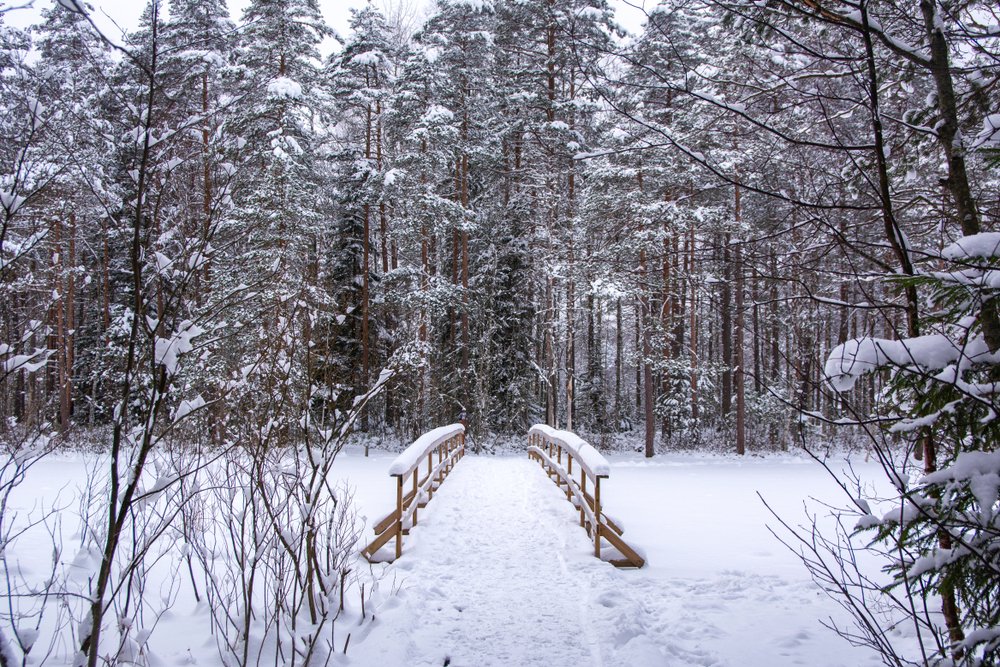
<point x="795" y="640"/>
<point x="609" y="600"/>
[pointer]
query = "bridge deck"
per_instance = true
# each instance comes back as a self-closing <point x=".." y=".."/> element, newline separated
<point x="497" y="573"/>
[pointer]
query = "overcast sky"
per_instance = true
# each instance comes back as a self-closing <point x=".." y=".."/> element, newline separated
<point x="125" y="13"/>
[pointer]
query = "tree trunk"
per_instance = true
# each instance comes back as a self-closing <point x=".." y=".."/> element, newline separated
<point x="619" y="360"/>
<point x="69" y="339"/>
<point x="958" y="183"/>
<point x="739" y="377"/>
<point x="693" y="326"/>
<point x="666" y="324"/>
<point x="726" y="333"/>
<point x="647" y="352"/>
<point x="552" y="389"/>
<point x="58" y="315"/>
<point x="570" y="339"/>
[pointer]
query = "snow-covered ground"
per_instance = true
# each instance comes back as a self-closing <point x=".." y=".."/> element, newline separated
<point x="498" y="572"/>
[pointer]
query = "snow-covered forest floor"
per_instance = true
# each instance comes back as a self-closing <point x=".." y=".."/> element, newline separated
<point x="498" y="571"/>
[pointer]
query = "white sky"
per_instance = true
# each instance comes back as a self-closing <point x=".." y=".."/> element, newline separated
<point x="125" y="13"/>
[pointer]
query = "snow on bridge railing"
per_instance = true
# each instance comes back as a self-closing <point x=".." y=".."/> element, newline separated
<point x="589" y="458"/>
<point x="549" y="446"/>
<point x="448" y="442"/>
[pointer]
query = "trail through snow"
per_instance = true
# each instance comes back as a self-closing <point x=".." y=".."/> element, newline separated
<point x="499" y="572"/>
<point x="485" y="577"/>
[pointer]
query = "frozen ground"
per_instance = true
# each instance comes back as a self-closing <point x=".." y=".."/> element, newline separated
<point x="499" y="572"/>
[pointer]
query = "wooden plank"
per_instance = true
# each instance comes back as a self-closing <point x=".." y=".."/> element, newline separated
<point x="586" y="513"/>
<point x="380" y="541"/>
<point x="386" y="521"/>
<point x="634" y="559"/>
<point x="399" y="521"/>
<point x="569" y="471"/>
<point x="606" y="520"/>
<point x="430" y="472"/>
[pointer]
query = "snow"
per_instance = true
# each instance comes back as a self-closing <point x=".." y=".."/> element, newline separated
<point x="413" y="454"/>
<point x="876" y="26"/>
<point x="499" y="572"/>
<point x="73" y="6"/>
<point x="591" y="14"/>
<point x="986" y="244"/>
<point x="10" y="202"/>
<point x="475" y="5"/>
<point x="390" y="177"/>
<point x="982" y="472"/>
<point x="162" y="263"/>
<point x="186" y="407"/>
<point x="367" y="58"/>
<point x="438" y="114"/>
<point x="850" y="360"/>
<point x="989" y="137"/>
<point x="285" y="88"/>
<point x="169" y="350"/>
<point x="580" y="449"/>
<point x="967" y="465"/>
<point x="28" y="363"/>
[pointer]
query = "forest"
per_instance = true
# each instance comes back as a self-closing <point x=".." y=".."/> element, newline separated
<point x="525" y="216"/>
<point x="749" y="227"/>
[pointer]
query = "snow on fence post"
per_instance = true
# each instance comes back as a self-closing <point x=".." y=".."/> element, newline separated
<point x="546" y="445"/>
<point x="449" y="443"/>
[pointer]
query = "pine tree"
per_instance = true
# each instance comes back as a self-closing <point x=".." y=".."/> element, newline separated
<point x="278" y="120"/>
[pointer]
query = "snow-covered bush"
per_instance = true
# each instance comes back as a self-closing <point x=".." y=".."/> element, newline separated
<point x="942" y="537"/>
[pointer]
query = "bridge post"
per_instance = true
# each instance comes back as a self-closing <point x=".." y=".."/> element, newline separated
<point x="415" y="501"/>
<point x="597" y="513"/>
<point x="569" y="472"/>
<point x="430" y="471"/>
<point x="399" y="516"/>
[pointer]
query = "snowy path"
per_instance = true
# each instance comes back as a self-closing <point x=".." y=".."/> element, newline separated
<point x="485" y="574"/>
<point x="499" y="573"/>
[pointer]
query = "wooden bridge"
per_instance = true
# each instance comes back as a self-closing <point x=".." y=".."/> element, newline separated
<point x="556" y="451"/>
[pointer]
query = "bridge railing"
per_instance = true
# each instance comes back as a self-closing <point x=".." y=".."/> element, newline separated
<point x="557" y="452"/>
<point x="448" y="444"/>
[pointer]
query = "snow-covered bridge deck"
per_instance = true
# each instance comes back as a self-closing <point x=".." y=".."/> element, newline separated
<point x="492" y="582"/>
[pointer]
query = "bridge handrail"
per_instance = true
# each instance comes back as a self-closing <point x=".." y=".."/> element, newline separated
<point x="548" y="446"/>
<point x="586" y="456"/>
<point x="411" y="457"/>
<point x="449" y="443"/>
